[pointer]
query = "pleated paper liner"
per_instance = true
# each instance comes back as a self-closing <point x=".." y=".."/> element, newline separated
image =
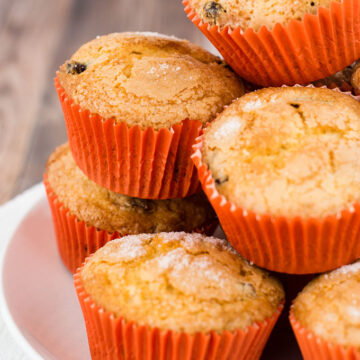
<point x="298" y="53"/>
<point x="76" y="240"/>
<point x="287" y="245"/>
<point x="313" y="347"/>
<point x="140" y="163"/>
<point x="114" y="338"/>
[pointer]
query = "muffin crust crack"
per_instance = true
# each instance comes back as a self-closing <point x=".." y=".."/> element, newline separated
<point x="302" y="161"/>
<point x="149" y="81"/>
<point x="185" y="282"/>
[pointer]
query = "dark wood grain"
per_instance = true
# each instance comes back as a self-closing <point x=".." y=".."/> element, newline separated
<point x="29" y="34"/>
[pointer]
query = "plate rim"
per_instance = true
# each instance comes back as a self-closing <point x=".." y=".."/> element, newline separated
<point x="37" y="193"/>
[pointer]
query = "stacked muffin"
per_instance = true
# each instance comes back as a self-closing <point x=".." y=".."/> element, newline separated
<point x="86" y="215"/>
<point x="133" y="104"/>
<point x="281" y="169"/>
<point x="272" y="43"/>
<point x="286" y="187"/>
<point x="279" y="166"/>
<point x="176" y="296"/>
<point x="325" y="316"/>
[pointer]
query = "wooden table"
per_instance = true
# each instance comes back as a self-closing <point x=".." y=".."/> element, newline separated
<point x="36" y="37"/>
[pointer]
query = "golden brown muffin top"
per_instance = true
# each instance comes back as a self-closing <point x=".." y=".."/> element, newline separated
<point x="329" y="306"/>
<point x="148" y="80"/>
<point x="110" y="211"/>
<point x="178" y="281"/>
<point x="255" y="13"/>
<point x="289" y="151"/>
<point x="355" y="77"/>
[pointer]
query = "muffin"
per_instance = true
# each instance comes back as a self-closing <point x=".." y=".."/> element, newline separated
<point x="271" y="43"/>
<point x="192" y="289"/>
<point x="326" y="315"/>
<point x="355" y="77"/>
<point x="99" y="215"/>
<point x="254" y="14"/>
<point x="281" y="168"/>
<point x="133" y="105"/>
<point x="342" y="80"/>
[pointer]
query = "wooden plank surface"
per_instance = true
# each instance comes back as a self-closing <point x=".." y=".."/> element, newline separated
<point x="36" y="36"/>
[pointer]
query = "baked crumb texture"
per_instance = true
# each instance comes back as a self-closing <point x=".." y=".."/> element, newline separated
<point x="287" y="152"/>
<point x="329" y="307"/>
<point x="149" y="80"/>
<point x="280" y="168"/>
<point x="254" y="13"/>
<point x="181" y="282"/>
<point x="113" y="212"/>
<point x="272" y="43"/>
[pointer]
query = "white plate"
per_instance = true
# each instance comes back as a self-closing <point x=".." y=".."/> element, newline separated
<point x="41" y="307"/>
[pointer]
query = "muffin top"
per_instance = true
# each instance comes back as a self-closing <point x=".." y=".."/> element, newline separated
<point x="329" y="306"/>
<point x="355" y="77"/>
<point x="148" y="80"/>
<point x="255" y="13"/>
<point x="182" y="282"/>
<point x="289" y="151"/>
<point x="110" y="211"/>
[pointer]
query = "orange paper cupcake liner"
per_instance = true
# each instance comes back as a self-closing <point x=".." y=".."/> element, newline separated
<point x="146" y="163"/>
<point x="287" y="245"/>
<point x="313" y="347"/>
<point x="117" y="339"/>
<point x="76" y="240"/>
<point x="298" y="53"/>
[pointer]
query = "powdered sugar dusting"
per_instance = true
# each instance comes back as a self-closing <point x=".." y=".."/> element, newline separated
<point x="179" y="261"/>
<point x="164" y="66"/>
<point x="354" y="313"/>
<point x="205" y="265"/>
<point x="182" y="265"/>
<point x="232" y="126"/>
<point x="175" y="258"/>
<point x="133" y="246"/>
<point x="153" y="34"/>
<point x="347" y="269"/>
<point x="252" y="105"/>
<point x="192" y="240"/>
<point x="128" y="248"/>
<point x="159" y="70"/>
